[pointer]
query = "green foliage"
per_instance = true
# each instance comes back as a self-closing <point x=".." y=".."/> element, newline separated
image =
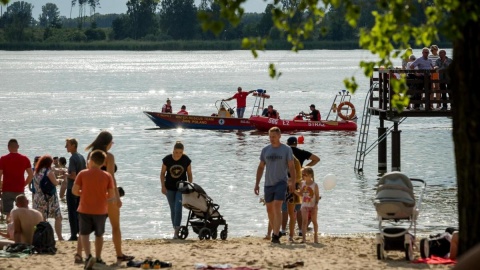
<point x="95" y="34"/>
<point x="50" y="16"/>
<point x="142" y="18"/>
<point x="77" y="36"/>
<point x="121" y="27"/>
<point x="17" y="18"/>
<point x="178" y="18"/>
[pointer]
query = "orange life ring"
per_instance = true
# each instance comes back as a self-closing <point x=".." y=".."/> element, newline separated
<point x="346" y="117"/>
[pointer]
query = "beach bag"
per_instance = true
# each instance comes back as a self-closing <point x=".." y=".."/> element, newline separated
<point x="43" y="239"/>
<point x="47" y="187"/>
<point x="437" y="245"/>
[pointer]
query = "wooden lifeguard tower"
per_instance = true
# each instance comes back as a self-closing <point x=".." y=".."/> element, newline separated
<point x="378" y="103"/>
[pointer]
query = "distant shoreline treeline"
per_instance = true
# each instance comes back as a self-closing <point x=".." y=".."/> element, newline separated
<point x="177" y="45"/>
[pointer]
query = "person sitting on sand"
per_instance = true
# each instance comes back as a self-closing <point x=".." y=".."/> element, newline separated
<point x="23" y="222"/>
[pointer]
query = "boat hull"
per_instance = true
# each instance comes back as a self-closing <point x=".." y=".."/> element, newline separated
<point x="169" y="121"/>
<point x="264" y="124"/>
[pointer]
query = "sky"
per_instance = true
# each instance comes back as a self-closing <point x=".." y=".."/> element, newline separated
<point x="117" y="6"/>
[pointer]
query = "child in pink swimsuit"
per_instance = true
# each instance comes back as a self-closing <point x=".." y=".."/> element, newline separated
<point x="311" y="196"/>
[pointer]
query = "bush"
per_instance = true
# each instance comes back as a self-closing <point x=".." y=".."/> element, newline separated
<point x="77" y="36"/>
<point x="95" y="34"/>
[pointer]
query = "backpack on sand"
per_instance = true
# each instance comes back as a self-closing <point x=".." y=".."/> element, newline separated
<point x="47" y="187"/>
<point x="438" y="245"/>
<point x="43" y="239"/>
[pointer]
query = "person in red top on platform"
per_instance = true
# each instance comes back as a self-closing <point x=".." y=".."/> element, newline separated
<point x="12" y="168"/>
<point x="183" y="110"/>
<point x="96" y="190"/>
<point x="241" y="98"/>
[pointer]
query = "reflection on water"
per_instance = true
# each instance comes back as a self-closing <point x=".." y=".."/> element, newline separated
<point x="49" y="96"/>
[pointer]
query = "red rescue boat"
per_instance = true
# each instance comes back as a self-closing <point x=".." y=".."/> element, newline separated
<point x="341" y="117"/>
<point x="263" y="123"/>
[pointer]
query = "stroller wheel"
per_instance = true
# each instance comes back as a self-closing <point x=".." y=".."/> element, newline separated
<point x="424" y="248"/>
<point x="182" y="232"/>
<point x="214" y="234"/>
<point x="204" y="233"/>
<point x="409" y="252"/>
<point x="223" y="235"/>
<point x="380" y="252"/>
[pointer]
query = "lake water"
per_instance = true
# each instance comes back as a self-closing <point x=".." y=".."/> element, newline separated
<point x="47" y="96"/>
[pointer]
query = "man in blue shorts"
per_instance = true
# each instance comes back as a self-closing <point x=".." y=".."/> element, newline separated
<point x="278" y="160"/>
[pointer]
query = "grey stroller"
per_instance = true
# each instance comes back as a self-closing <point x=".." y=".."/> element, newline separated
<point x="203" y="217"/>
<point x="395" y="203"/>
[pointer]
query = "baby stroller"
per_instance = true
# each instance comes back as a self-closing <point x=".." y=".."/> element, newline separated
<point x="395" y="203"/>
<point x="203" y="216"/>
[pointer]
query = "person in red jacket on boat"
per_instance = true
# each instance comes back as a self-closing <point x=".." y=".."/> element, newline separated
<point x="167" y="108"/>
<point x="183" y="110"/>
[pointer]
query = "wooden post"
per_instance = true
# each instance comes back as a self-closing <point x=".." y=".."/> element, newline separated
<point x="382" y="148"/>
<point x="396" y="151"/>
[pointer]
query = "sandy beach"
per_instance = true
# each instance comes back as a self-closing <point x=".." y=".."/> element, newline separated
<point x="252" y="252"/>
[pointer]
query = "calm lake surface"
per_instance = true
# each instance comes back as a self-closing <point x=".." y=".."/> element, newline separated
<point x="47" y="96"/>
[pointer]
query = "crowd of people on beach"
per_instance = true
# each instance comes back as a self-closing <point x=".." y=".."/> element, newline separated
<point x="91" y="193"/>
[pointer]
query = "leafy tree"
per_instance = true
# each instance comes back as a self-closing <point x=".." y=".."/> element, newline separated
<point x="266" y="23"/>
<point x="93" y="6"/>
<point x="17" y="18"/>
<point x="142" y="17"/>
<point x="121" y="27"/>
<point x="178" y="18"/>
<point x="390" y="35"/>
<point x="50" y="16"/>
<point x="204" y="4"/>
<point x="93" y="33"/>
<point x="81" y="11"/>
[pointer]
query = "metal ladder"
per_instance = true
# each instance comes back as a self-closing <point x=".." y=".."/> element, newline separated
<point x="362" y="149"/>
<point x="364" y="128"/>
<point x="259" y="104"/>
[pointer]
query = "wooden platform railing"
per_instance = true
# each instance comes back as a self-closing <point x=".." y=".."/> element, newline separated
<point x="420" y="89"/>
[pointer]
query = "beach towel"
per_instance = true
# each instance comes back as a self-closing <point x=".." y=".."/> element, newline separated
<point x="4" y="254"/>
<point x="435" y="260"/>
